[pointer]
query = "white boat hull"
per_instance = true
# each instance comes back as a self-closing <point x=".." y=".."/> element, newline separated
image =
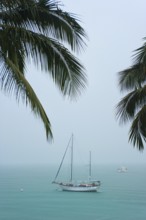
<point x="79" y="188"/>
<point x="122" y="170"/>
<point x="89" y="187"/>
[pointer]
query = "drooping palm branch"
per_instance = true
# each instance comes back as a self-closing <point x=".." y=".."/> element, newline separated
<point x="38" y="30"/>
<point x="132" y="78"/>
<point x="133" y="105"/>
<point x="137" y="132"/>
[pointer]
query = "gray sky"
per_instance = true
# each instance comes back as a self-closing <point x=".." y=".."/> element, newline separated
<point x="115" y="29"/>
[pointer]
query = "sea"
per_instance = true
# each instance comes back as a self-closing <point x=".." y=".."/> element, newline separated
<point x="27" y="193"/>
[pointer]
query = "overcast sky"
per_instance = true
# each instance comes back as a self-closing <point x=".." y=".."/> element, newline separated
<point x="115" y="29"/>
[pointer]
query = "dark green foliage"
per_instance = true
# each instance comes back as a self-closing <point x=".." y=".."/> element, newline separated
<point x="133" y="106"/>
<point x="37" y="30"/>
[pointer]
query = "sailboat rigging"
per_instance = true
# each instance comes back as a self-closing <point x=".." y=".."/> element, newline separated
<point x="88" y="186"/>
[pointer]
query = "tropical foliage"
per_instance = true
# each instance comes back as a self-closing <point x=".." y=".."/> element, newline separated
<point x="133" y="105"/>
<point x="39" y="30"/>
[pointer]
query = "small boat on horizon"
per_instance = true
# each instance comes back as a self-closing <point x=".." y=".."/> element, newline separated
<point x="83" y="186"/>
<point x="122" y="169"/>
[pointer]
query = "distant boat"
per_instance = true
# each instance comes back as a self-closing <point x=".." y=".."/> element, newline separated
<point x="85" y="186"/>
<point x="122" y="169"/>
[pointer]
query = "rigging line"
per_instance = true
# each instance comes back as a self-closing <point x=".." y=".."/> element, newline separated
<point x="71" y="160"/>
<point x="62" y="159"/>
<point x="89" y="165"/>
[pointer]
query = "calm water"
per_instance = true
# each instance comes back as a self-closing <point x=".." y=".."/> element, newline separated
<point x="122" y="195"/>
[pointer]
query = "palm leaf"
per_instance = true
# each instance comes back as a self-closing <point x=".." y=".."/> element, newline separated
<point x="130" y="104"/>
<point x="133" y="77"/>
<point x="124" y="108"/>
<point x="38" y="30"/>
<point x="12" y="80"/>
<point x="65" y="69"/>
<point x="140" y="54"/>
<point x="137" y="132"/>
<point x="45" y="17"/>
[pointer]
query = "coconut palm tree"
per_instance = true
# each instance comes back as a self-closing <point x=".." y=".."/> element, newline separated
<point x="133" y="105"/>
<point x="40" y="31"/>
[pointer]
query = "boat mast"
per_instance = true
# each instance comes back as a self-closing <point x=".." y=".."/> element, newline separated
<point x="71" y="160"/>
<point x="89" y="165"/>
<point x="62" y="160"/>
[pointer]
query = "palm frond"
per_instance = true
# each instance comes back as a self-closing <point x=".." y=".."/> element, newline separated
<point x="40" y="30"/>
<point x="132" y="77"/>
<point x="13" y="48"/>
<point x="133" y="105"/>
<point x="140" y="54"/>
<point x="137" y="132"/>
<point x="66" y="71"/>
<point x="130" y="104"/>
<point x="124" y="110"/>
<point x="46" y="17"/>
<point x="12" y="80"/>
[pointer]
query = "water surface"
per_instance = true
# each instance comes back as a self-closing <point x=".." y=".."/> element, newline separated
<point x="26" y="193"/>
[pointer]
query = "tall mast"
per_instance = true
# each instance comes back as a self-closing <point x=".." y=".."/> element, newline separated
<point x="89" y="165"/>
<point x="71" y="159"/>
<point x="63" y="159"/>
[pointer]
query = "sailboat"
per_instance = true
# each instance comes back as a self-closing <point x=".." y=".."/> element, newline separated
<point x="122" y="169"/>
<point x="85" y="186"/>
